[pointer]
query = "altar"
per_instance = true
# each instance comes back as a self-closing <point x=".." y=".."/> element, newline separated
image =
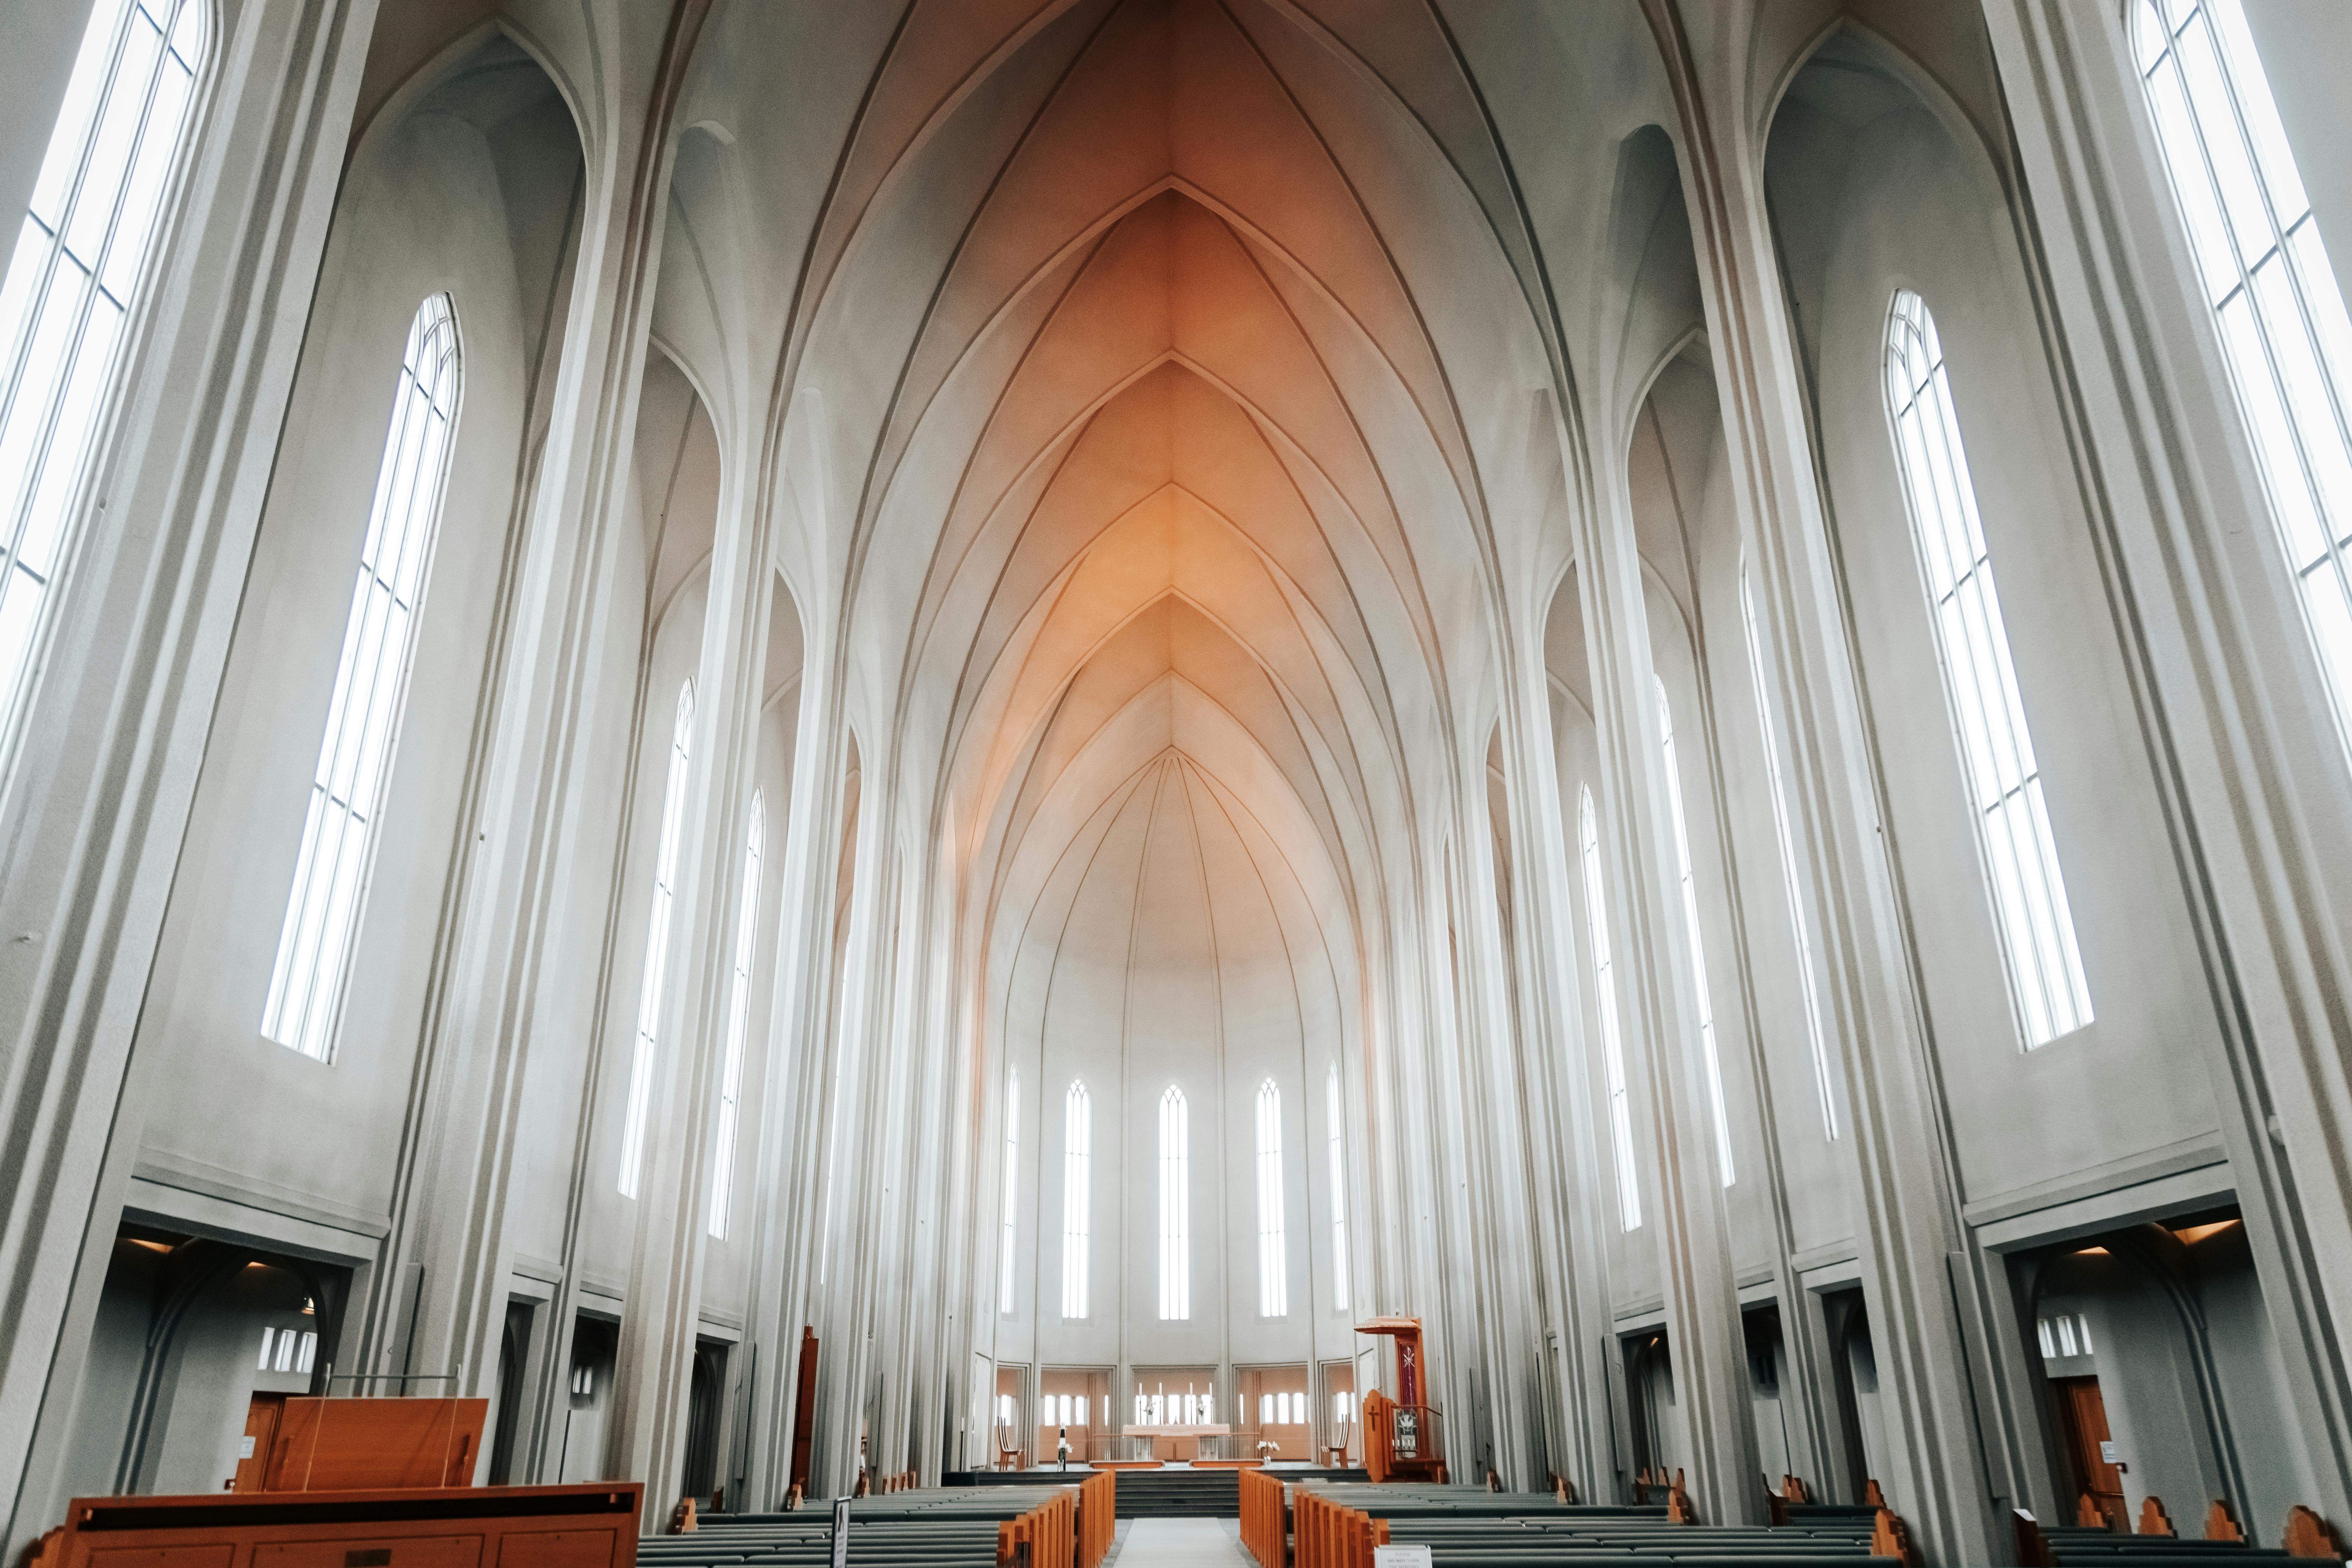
<point x="1179" y="1444"/>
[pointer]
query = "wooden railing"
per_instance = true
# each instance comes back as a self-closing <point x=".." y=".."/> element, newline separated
<point x="1331" y="1536"/>
<point x="1044" y="1537"/>
<point x="1265" y="1533"/>
<point x="1098" y="1516"/>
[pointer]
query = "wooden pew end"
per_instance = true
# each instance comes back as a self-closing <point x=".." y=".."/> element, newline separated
<point x="2308" y="1535"/>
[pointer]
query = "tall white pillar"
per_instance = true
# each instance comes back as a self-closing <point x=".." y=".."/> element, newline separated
<point x="1929" y="1345"/>
<point x="91" y="825"/>
<point x="2174" y="493"/>
<point x="1666" y="1069"/>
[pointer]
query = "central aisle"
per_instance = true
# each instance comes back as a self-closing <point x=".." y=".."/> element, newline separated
<point x="1180" y="1543"/>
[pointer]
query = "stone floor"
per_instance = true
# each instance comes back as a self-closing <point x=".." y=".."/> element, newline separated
<point x="1179" y="1544"/>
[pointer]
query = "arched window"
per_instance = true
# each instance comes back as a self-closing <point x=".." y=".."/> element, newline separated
<point x="1175" y="1208"/>
<point x="81" y="258"/>
<point x="738" y="1020"/>
<point x="321" y="935"/>
<point x="1785" y="837"/>
<point x="649" y="989"/>
<point x="1273" y="1256"/>
<point x="1337" y="1141"/>
<point x="2284" y="329"/>
<point x="2004" y="780"/>
<point x="1012" y="1208"/>
<point x="1604" y="997"/>
<point x="1077" y="1174"/>
<point x="1698" y="941"/>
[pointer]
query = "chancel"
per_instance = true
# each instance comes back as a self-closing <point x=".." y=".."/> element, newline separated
<point x="1204" y="778"/>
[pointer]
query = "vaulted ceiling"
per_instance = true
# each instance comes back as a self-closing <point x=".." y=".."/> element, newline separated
<point x="1167" y="361"/>
<point x="1152" y="384"/>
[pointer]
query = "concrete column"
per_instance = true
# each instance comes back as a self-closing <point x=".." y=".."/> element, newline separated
<point x="647" y="1435"/>
<point x="1501" y="1029"/>
<point x="841" y="1300"/>
<point x="1666" y="1066"/>
<point x="1907" y="1223"/>
<point x="1571" y="1205"/>
<point x="518" y="884"/>
<point x="2224" y="662"/>
<point x="91" y="821"/>
<point x="784" y="1201"/>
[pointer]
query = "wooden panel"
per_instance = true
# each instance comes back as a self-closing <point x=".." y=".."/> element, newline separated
<point x="260" y="1441"/>
<point x="558" y="1548"/>
<point x="359" y="1445"/>
<point x="403" y="1552"/>
<point x="592" y="1526"/>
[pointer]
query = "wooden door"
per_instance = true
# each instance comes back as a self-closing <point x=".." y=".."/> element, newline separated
<point x="260" y="1433"/>
<point x="2097" y="1469"/>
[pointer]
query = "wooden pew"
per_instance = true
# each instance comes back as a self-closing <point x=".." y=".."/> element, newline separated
<point x="1098" y="1516"/>
<point x="2307" y="1535"/>
<point x="1265" y="1533"/>
<point x="1044" y="1537"/>
<point x="1678" y="1503"/>
<point x="1890" y="1537"/>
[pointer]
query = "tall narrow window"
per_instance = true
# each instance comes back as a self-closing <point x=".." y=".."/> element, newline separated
<point x="79" y="259"/>
<point x="1175" y="1208"/>
<point x="1697" y="940"/>
<point x="2284" y="329"/>
<point x="1786" y="838"/>
<point x="1273" y="1256"/>
<point x="1604" y="991"/>
<point x="1011" y="1189"/>
<point x="321" y="935"/>
<point x="2037" y="930"/>
<point x="649" y="989"/>
<point x="1078" y="1176"/>
<point x="738" y="1020"/>
<point x="1337" y="1142"/>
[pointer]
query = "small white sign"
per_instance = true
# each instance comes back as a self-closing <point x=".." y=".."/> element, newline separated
<point x="1401" y="1557"/>
<point x="244" y="1449"/>
<point x="2107" y="1454"/>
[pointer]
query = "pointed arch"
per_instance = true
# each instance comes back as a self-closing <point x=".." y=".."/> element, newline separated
<point x="317" y="943"/>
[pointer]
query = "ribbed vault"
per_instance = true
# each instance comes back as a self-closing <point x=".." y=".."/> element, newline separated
<point x="1168" y="478"/>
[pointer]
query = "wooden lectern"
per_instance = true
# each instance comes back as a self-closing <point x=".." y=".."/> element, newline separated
<point x="1402" y="1436"/>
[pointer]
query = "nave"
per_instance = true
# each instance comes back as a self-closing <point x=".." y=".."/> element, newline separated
<point x="776" y="752"/>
